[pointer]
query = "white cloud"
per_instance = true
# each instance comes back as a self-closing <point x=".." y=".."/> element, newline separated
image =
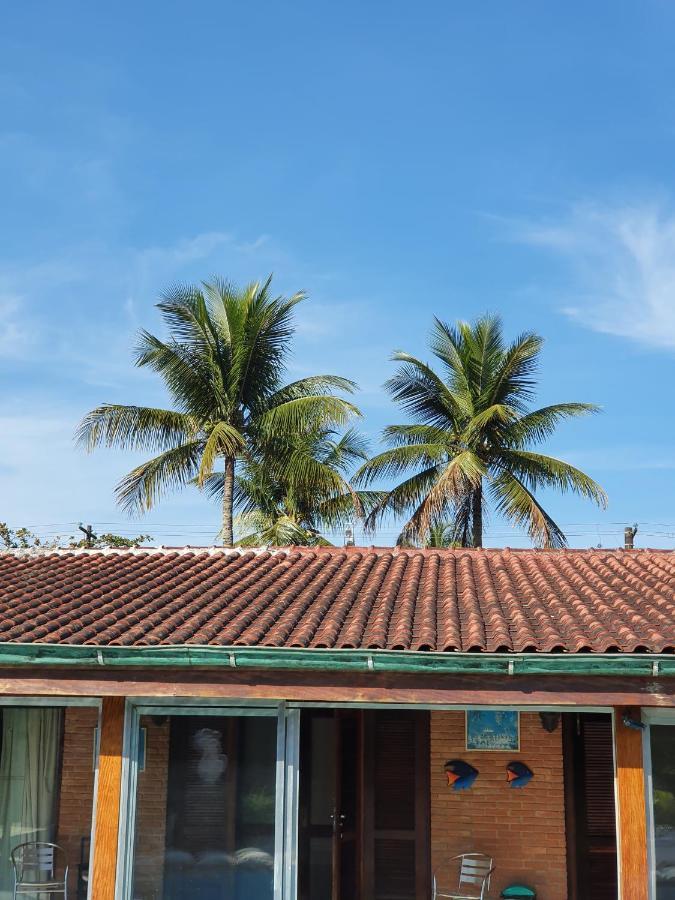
<point x="623" y="265"/>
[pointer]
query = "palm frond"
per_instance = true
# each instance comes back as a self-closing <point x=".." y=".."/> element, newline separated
<point x="515" y="502"/>
<point x="313" y="386"/>
<point x="459" y="478"/>
<point x="342" y="454"/>
<point x="134" y="428"/>
<point x="189" y="376"/>
<point x="449" y="345"/>
<point x="513" y="382"/>
<point x="495" y="418"/>
<point x="342" y="509"/>
<point x="537" y="470"/>
<point x="305" y="414"/>
<point x="421" y="393"/>
<point x="282" y="532"/>
<point x="394" y="462"/>
<point x="397" y="435"/>
<point x="534" y="427"/>
<point x="224" y="441"/>
<point x="140" y="490"/>
<point x="404" y="496"/>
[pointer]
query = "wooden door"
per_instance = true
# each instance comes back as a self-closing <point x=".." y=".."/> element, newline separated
<point x="329" y="833"/>
<point x="395" y="859"/>
<point x="345" y="818"/>
<point x="364" y="805"/>
<point x="590" y="809"/>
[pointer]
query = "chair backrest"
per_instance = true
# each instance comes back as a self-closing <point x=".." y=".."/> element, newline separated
<point x="475" y="868"/>
<point x="34" y="859"/>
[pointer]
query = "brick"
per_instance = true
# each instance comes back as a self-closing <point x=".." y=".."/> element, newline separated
<point x="523" y="830"/>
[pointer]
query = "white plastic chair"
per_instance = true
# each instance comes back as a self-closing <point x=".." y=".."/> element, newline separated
<point x="34" y="865"/>
<point x="475" y="871"/>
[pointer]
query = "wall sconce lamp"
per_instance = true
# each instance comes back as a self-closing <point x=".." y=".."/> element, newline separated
<point x="549" y="721"/>
<point x="633" y="723"/>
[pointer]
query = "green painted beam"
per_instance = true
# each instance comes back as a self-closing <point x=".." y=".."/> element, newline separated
<point x="88" y="656"/>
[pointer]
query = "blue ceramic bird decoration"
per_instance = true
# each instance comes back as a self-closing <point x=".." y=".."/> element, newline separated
<point x="461" y="775"/>
<point x="518" y="774"/>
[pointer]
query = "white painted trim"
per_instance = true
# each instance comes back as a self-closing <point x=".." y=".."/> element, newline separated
<point x="51" y="701"/>
<point x="292" y="804"/>
<point x="196" y="710"/>
<point x="658" y="716"/>
<point x="205" y="705"/>
<point x="280" y="804"/>
<point x="127" y="827"/>
<point x="449" y="707"/>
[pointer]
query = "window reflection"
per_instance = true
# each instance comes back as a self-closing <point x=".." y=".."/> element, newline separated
<point x="205" y="812"/>
<point x="663" y="781"/>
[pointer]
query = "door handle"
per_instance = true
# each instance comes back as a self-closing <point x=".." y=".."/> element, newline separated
<point x="338" y="820"/>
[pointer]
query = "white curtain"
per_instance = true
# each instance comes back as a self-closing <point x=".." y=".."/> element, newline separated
<point x="28" y="781"/>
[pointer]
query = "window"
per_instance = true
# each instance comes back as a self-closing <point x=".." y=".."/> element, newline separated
<point x="46" y="790"/>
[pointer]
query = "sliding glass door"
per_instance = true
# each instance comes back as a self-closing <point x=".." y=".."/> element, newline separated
<point x="662" y="744"/>
<point x="209" y="810"/>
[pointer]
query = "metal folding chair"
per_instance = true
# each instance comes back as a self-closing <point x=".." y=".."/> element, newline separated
<point x="35" y="865"/>
<point x="473" y="883"/>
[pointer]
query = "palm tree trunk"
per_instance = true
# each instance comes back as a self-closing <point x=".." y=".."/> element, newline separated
<point x="228" y="496"/>
<point x="477" y="515"/>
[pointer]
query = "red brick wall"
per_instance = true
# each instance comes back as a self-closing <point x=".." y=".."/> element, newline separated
<point x="522" y="829"/>
<point x="76" y="796"/>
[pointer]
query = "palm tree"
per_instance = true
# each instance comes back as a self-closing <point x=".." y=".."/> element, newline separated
<point x="441" y="534"/>
<point x="472" y="437"/>
<point x="288" y="496"/>
<point x="445" y="534"/>
<point x="223" y="366"/>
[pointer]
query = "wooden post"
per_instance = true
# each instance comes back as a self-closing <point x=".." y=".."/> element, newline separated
<point x="632" y="813"/>
<point x="108" y="798"/>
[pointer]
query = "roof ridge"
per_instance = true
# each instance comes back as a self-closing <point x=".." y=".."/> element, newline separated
<point x="378" y="550"/>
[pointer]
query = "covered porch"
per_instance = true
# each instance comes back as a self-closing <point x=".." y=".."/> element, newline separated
<point x="226" y="792"/>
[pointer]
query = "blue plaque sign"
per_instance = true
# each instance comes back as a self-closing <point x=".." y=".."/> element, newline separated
<point x="492" y="730"/>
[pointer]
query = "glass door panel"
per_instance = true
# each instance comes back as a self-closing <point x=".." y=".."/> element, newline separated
<point x="205" y="807"/>
<point x="662" y="739"/>
<point x="47" y="771"/>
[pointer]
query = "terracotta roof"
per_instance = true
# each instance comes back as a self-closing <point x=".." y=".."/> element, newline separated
<point x="444" y="600"/>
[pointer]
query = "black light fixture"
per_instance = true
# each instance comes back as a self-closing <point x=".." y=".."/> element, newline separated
<point x="629" y="722"/>
<point x="549" y="721"/>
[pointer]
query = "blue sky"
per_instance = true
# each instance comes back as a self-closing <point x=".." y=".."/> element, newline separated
<point x="395" y="160"/>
